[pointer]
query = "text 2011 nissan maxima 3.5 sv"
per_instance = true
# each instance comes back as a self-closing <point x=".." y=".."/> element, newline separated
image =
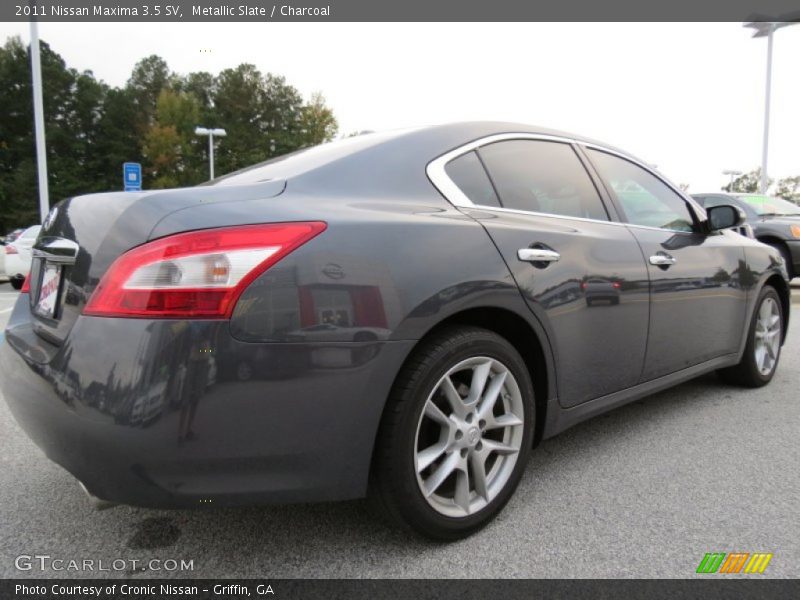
<point x="399" y="314"/>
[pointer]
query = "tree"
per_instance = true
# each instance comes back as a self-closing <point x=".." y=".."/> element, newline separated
<point x="317" y="123"/>
<point x="747" y="183"/>
<point x="92" y="128"/>
<point x="170" y="147"/>
<point x="73" y="107"/>
<point x="789" y="189"/>
<point x="118" y="140"/>
<point x="150" y="76"/>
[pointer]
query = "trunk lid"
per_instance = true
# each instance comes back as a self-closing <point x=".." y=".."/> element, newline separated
<point x="83" y="235"/>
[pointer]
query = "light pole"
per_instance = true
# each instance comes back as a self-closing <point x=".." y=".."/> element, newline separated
<point x="767" y="29"/>
<point x="733" y="174"/>
<point x="210" y="133"/>
<point x="38" y="121"/>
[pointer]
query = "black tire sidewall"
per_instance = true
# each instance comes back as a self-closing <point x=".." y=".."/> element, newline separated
<point x="414" y="508"/>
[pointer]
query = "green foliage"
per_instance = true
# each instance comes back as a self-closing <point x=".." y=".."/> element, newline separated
<point x="750" y="183"/>
<point x="747" y="183"/>
<point x="789" y="189"/>
<point x="91" y="128"/>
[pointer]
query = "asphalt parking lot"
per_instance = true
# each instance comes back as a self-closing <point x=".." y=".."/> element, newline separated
<point x="644" y="491"/>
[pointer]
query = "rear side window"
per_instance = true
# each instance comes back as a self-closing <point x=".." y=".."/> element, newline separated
<point x="468" y="174"/>
<point x="545" y="177"/>
<point x="646" y="199"/>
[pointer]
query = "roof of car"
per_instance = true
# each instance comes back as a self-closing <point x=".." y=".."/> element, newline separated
<point x="415" y="147"/>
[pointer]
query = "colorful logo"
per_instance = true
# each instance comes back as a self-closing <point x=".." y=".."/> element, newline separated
<point x="735" y="562"/>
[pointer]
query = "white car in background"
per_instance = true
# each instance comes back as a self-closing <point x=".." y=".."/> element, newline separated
<point x="18" y="256"/>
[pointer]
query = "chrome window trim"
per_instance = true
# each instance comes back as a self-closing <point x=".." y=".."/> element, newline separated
<point x="517" y="211"/>
<point x="435" y="170"/>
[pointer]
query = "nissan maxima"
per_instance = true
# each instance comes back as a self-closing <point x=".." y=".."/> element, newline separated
<point x="400" y="315"/>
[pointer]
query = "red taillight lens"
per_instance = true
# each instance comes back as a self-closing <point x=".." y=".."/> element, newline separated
<point x="11" y="249"/>
<point x="583" y="285"/>
<point x="616" y="284"/>
<point x="199" y="274"/>
<point x="26" y="285"/>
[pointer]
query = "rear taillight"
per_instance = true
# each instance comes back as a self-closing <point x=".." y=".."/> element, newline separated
<point x="11" y="250"/>
<point x="616" y="285"/>
<point x="199" y="274"/>
<point x="26" y="285"/>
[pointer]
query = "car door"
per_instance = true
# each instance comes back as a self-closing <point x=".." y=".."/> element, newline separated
<point x="697" y="302"/>
<point x="581" y="274"/>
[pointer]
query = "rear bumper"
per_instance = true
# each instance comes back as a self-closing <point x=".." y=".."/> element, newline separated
<point x="161" y="413"/>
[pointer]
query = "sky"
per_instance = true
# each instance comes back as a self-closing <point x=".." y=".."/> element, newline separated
<point x="688" y="97"/>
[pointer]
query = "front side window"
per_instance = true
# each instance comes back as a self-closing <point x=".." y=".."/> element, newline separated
<point x="468" y="174"/>
<point x="542" y="176"/>
<point x="645" y="199"/>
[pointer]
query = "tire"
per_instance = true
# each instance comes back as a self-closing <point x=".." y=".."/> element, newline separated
<point x="787" y="257"/>
<point x="16" y="283"/>
<point x="756" y="368"/>
<point x="458" y="435"/>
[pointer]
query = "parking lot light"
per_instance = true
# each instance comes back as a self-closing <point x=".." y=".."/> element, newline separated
<point x="767" y="29"/>
<point x="210" y="133"/>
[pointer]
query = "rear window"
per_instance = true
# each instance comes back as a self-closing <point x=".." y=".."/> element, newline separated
<point x="301" y="161"/>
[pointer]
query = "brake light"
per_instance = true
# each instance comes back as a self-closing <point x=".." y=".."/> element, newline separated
<point x="11" y="249"/>
<point x="616" y="285"/>
<point x="26" y="285"/>
<point x="199" y="274"/>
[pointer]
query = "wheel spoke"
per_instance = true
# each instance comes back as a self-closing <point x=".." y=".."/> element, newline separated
<point x="770" y="349"/>
<point x="426" y="457"/>
<point x="434" y="413"/>
<point x="480" y="374"/>
<point x="453" y="397"/>
<point x="461" y="497"/>
<point x="499" y="447"/>
<point x="506" y="420"/>
<point x="478" y="463"/>
<point x="486" y="406"/>
<point x="765" y="312"/>
<point x="441" y="473"/>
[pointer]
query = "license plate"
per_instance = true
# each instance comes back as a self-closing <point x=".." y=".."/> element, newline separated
<point x="48" y="291"/>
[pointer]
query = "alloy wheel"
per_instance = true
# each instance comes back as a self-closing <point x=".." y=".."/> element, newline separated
<point x="767" y="336"/>
<point x="469" y="436"/>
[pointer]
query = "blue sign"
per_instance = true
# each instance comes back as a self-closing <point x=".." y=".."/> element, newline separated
<point x="132" y="177"/>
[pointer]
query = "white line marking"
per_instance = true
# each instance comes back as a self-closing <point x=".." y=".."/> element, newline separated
<point x="2" y="312"/>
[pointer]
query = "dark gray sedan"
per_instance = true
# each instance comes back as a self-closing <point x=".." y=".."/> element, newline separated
<point x="404" y="314"/>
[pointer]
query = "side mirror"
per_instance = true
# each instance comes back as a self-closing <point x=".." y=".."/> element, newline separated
<point x="725" y="216"/>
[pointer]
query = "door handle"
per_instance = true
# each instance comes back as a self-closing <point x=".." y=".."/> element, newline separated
<point x="662" y="259"/>
<point x="538" y="255"/>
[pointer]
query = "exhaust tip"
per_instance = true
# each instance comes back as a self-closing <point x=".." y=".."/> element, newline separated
<point x="97" y="503"/>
